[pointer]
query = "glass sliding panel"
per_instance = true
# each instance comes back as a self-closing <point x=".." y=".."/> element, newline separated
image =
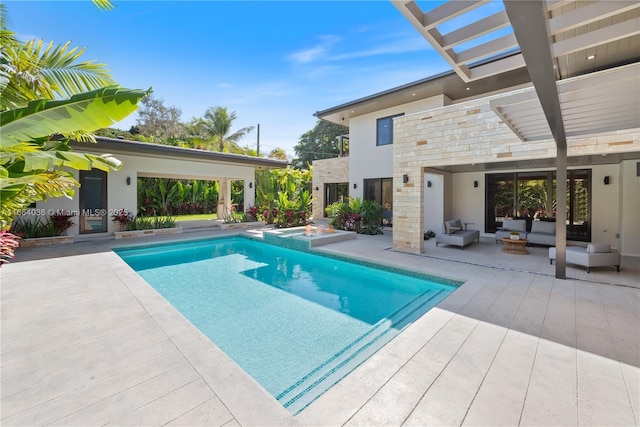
<point x="380" y="190"/>
<point x="93" y="202"/>
<point x="335" y="192"/>
<point x="532" y="196"/>
<point x="579" y="205"/>
<point x="500" y="200"/>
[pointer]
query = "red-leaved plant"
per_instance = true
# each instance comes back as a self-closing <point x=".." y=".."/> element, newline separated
<point x="8" y="244"/>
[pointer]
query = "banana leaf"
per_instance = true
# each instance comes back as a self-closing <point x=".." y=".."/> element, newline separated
<point x="86" y="111"/>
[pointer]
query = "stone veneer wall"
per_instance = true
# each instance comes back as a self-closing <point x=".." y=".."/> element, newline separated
<point x="324" y="172"/>
<point x="467" y="133"/>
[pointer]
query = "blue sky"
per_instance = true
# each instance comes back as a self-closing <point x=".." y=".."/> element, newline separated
<point x="274" y="63"/>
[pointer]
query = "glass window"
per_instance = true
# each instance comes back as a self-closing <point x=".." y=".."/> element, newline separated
<point x="93" y="201"/>
<point x="381" y="191"/>
<point x="385" y="130"/>
<point x="335" y="192"/>
<point x="532" y="196"/>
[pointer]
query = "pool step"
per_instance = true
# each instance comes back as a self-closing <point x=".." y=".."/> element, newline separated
<point x="301" y="394"/>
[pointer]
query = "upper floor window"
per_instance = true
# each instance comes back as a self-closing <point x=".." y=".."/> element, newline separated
<point x="385" y="130"/>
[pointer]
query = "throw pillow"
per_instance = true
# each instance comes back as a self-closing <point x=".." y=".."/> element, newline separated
<point x="598" y="248"/>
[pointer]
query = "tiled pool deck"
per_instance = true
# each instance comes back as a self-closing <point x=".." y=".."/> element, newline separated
<point x="85" y="341"/>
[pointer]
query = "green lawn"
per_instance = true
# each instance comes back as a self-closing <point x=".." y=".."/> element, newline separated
<point x="196" y="217"/>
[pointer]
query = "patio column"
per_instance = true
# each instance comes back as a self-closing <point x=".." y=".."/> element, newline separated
<point x="529" y="22"/>
<point x="408" y="207"/>
<point x="222" y="198"/>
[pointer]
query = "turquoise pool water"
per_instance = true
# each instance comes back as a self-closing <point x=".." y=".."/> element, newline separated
<point x="295" y="321"/>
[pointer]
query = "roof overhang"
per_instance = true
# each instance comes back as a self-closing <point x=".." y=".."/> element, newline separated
<point x="115" y="146"/>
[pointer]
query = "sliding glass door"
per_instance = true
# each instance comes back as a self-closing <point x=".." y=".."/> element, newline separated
<point x="335" y="192"/>
<point x="532" y="196"/>
<point x="381" y="191"/>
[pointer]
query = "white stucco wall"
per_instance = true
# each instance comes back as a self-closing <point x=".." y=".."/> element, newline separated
<point x="366" y="159"/>
<point x="123" y="196"/>
<point x="433" y="202"/>
<point x="629" y="215"/>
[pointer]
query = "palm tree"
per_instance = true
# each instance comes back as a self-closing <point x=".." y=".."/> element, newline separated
<point x="35" y="70"/>
<point x="32" y="164"/>
<point x="217" y="127"/>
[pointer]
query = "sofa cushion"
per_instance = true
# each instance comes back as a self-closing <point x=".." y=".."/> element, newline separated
<point x="514" y="225"/>
<point x="546" y="227"/>
<point x="598" y="248"/>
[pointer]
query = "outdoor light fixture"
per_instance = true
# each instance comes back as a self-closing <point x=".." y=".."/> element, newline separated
<point x="428" y="183"/>
<point x="475" y="184"/>
<point x="355" y="185"/>
<point x="251" y="185"/>
<point x="128" y="180"/>
<point x="317" y="188"/>
<point x="606" y="180"/>
<point x="405" y="178"/>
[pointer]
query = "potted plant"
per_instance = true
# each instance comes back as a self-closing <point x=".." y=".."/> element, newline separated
<point x="515" y="235"/>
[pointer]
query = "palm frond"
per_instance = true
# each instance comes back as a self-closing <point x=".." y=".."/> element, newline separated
<point x="104" y="5"/>
<point x="57" y="70"/>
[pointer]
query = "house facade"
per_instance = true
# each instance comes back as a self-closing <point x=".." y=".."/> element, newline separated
<point x="458" y="157"/>
<point x="487" y="140"/>
<point x="103" y="194"/>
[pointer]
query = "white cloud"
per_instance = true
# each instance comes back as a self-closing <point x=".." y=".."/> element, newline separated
<point x="316" y="52"/>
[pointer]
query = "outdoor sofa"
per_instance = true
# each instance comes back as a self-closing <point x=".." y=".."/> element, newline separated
<point x="455" y="234"/>
<point x="542" y="232"/>
<point x="594" y="255"/>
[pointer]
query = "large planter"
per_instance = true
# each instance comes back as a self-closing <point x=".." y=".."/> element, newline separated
<point x="145" y="233"/>
<point x="45" y="241"/>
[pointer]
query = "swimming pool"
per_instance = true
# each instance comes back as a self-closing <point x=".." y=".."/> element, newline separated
<point x="297" y="322"/>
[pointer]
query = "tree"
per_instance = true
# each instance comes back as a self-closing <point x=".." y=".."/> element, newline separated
<point x="35" y="128"/>
<point x="159" y="121"/>
<point x="278" y="153"/>
<point x="217" y="127"/>
<point x="321" y="142"/>
<point x="35" y="70"/>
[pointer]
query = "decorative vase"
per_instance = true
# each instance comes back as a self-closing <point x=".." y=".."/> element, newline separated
<point x="515" y="237"/>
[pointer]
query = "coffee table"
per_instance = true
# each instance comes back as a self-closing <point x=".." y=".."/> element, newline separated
<point x="515" y="247"/>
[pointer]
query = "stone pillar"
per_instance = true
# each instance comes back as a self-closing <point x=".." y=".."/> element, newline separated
<point x="408" y="208"/>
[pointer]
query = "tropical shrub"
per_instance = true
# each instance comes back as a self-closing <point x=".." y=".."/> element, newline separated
<point x="33" y="227"/>
<point x="150" y="223"/>
<point x="283" y="197"/>
<point x="165" y="196"/>
<point x="123" y="218"/>
<point x="361" y="216"/>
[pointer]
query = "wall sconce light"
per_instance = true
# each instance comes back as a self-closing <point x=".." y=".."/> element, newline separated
<point x="128" y="180"/>
<point x="606" y="180"/>
<point x="251" y="185"/>
<point x="405" y="178"/>
<point x="428" y="183"/>
<point x="475" y="184"/>
<point x="355" y="185"/>
<point x="317" y="188"/>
